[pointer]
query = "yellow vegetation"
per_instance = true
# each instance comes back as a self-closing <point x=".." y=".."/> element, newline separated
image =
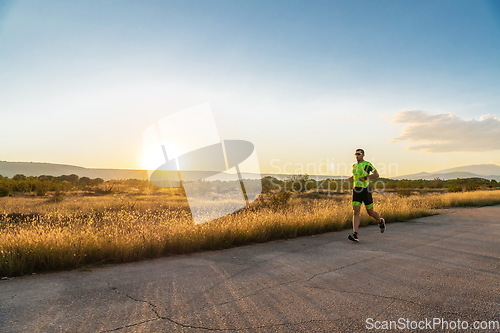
<point x="39" y="235"/>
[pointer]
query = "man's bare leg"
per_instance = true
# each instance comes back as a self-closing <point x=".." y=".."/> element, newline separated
<point x="356" y="218"/>
<point x="376" y="216"/>
<point x="373" y="214"/>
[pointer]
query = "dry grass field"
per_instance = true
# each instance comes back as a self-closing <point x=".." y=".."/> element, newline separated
<point x="39" y="234"/>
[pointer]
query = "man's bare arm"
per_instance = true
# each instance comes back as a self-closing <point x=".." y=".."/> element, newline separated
<point x="374" y="175"/>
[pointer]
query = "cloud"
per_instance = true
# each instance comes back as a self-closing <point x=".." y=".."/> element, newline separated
<point x="448" y="133"/>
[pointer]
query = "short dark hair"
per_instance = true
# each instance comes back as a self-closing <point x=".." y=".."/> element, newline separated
<point x="361" y="150"/>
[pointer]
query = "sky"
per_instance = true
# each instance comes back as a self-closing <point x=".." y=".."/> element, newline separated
<point x="416" y="84"/>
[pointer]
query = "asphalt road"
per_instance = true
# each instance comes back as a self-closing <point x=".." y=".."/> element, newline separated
<point x="444" y="266"/>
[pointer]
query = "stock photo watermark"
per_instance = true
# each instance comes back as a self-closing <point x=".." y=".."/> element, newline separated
<point x="327" y="176"/>
<point x="326" y="166"/>
<point x="302" y="183"/>
<point x="437" y="323"/>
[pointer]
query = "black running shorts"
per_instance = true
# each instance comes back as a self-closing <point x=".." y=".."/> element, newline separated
<point x="362" y="195"/>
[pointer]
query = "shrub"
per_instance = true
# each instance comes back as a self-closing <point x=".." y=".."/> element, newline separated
<point x="108" y="189"/>
<point x="277" y="200"/>
<point x="455" y="188"/>
<point x="471" y="187"/>
<point x="57" y="197"/>
<point x="41" y="188"/>
<point x="5" y="190"/>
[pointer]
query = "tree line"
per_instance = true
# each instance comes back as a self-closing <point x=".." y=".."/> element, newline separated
<point x="43" y="184"/>
<point x="40" y="185"/>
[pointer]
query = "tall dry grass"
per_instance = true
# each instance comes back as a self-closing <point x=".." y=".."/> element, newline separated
<point x="81" y="231"/>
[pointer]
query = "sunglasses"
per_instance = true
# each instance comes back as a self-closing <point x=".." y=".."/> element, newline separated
<point x="358" y="154"/>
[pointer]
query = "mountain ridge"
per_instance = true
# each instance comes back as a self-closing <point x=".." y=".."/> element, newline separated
<point x="488" y="171"/>
<point x="9" y="169"/>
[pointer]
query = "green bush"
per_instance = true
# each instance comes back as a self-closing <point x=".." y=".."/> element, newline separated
<point x="5" y="191"/>
<point x="41" y="188"/>
<point x="471" y="187"/>
<point x="278" y="200"/>
<point x="455" y="188"/>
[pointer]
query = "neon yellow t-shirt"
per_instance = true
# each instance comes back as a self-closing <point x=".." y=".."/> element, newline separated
<point x="359" y="170"/>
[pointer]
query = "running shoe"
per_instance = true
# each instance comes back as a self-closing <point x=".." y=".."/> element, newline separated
<point x="381" y="225"/>
<point x="353" y="237"/>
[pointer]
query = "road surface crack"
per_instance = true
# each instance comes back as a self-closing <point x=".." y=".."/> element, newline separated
<point x="158" y="316"/>
<point x="345" y="266"/>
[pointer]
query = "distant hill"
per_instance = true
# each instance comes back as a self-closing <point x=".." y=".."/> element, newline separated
<point x="9" y="169"/>
<point x="487" y="171"/>
<point x="478" y="169"/>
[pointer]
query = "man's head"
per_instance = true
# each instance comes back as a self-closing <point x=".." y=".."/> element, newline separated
<point x="360" y="154"/>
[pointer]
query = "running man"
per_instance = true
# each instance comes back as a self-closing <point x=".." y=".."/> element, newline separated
<point x="362" y="193"/>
